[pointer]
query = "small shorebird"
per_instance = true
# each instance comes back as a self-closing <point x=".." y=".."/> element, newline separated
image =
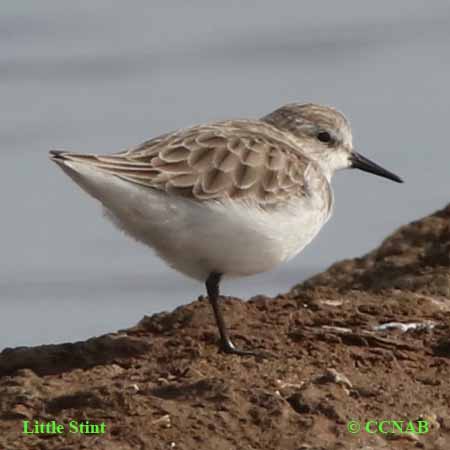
<point x="231" y="198"/>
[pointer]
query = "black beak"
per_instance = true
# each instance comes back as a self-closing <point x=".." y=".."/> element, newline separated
<point x="358" y="161"/>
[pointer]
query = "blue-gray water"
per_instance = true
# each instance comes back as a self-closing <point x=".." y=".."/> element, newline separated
<point x="99" y="76"/>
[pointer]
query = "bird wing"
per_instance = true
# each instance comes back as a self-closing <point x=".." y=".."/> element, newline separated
<point x="235" y="159"/>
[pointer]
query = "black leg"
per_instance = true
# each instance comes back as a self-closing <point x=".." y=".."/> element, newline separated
<point x="212" y="288"/>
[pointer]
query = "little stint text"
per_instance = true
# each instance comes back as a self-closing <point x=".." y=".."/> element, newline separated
<point x="53" y="427"/>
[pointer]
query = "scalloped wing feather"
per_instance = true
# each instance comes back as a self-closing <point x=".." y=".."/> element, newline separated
<point x="234" y="159"/>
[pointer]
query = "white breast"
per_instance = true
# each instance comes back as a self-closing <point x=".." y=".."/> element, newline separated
<point x="232" y="238"/>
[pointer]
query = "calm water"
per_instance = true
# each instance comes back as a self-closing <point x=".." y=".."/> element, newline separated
<point x="89" y="76"/>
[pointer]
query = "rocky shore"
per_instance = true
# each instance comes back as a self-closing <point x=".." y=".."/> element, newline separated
<point x="367" y="340"/>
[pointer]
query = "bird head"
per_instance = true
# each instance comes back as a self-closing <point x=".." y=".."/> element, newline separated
<point x="324" y="135"/>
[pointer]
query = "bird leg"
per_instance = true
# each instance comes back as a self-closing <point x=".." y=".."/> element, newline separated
<point x="212" y="288"/>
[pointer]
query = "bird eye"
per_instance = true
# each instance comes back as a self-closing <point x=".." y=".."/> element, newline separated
<point x="324" y="136"/>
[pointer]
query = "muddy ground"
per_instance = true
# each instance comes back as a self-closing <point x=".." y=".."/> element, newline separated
<point x="163" y="385"/>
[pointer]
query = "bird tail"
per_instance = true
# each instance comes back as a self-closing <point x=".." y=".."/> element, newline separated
<point x="60" y="156"/>
<point x="135" y="171"/>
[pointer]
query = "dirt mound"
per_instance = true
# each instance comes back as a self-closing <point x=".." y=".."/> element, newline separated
<point x="368" y="340"/>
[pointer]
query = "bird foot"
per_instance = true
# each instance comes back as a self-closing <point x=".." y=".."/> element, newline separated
<point x="228" y="347"/>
